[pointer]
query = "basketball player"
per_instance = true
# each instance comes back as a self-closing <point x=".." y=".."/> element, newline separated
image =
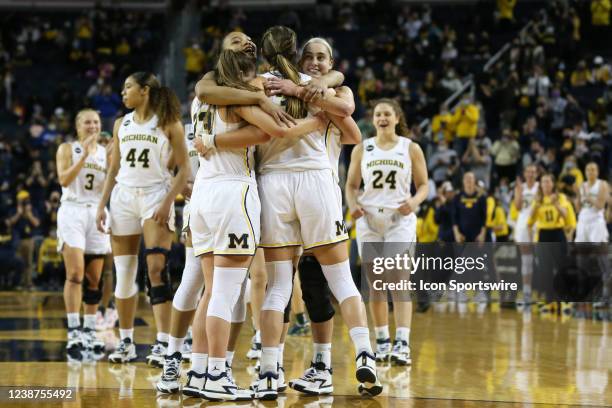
<point x="524" y="196"/>
<point x="592" y="200"/>
<point x="386" y="210"/>
<point x="81" y="168"/>
<point x="317" y="60"/>
<point x="188" y="293"/>
<point x="225" y="222"/>
<point x="295" y="184"/>
<point x="142" y="203"/>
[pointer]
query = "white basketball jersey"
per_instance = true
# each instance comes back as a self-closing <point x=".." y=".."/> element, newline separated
<point x="333" y="146"/>
<point x="529" y="196"/>
<point x="387" y="174"/>
<point x="292" y="154"/>
<point x="192" y="153"/>
<point x="145" y="151"/>
<point x="87" y="186"/>
<point x="236" y="163"/>
<point x="588" y="213"/>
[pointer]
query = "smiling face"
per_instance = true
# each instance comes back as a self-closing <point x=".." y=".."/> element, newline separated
<point x="547" y="185"/>
<point x="237" y="41"/>
<point x="592" y="172"/>
<point x="316" y="60"/>
<point x="385" y="118"/>
<point x="133" y="95"/>
<point x="530" y="174"/>
<point x="87" y="124"/>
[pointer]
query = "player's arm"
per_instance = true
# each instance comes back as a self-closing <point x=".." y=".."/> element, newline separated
<point x="600" y="201"/>
<point x="176" y="135"/>
<point x="353" y="182"/>
<point x="209" y="92"/>
<point x="110" y="181"/>
<point x="419" y="173"/>
<point x="256" y="116"/>
<point x="66" y="170"/>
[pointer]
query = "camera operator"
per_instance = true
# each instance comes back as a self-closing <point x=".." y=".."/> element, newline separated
<point x="23" y="222"/>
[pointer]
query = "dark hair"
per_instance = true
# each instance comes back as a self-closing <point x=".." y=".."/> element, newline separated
<point x="402" y="127"/>
<point x="230" y="67"/>
<point x="278" y="46"/>
<point x="162" y="100"/>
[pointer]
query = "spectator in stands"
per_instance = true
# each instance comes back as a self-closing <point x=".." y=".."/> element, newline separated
<point x="465" y="123"/>
<point x="538" y="84"/>
<point x="600" y="21"/>
<point x="36" y="184"/>
<point x="505" y="9"/>
<point x="49" y="220"/>
<point x="602" y="73"/>
<point x="195" y="61"/>
<point x="477" y="157"/>
<point x="469" y="212"/>
<point x="441" y="125"/>
<point x="449" y="52"/>
<point x="450" y="82"/>
<point x="581" y="76"/>
<point x="443" y="204"/>
<point x="444" y="163"/>
<point x="506" y="153"/>
<point x="51" y="271"/>
<point x="12" y="266"/>
<point x="23" y="222"/>
<point x="108" y="104"/>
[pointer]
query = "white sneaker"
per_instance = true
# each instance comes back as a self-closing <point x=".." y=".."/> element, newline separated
<point x="111" y="316"/>
<point x="366" y="375"/>
<point x="401" y="353"/>
<point x="169" y="382"/>
<point x="195" y="384"/>
<point x="158" y="354"/>
<point x="282" y="385"/>
<point x="221" y="388"/>
<point x="383" y="349"/>
<point x="100" y="321"/>
<point x="317" y="380"/>
<point x="124" y="353"/>
<point x="186" y="351"/>
<point x="74" y="346"/>
<point x="266" y="387"/>
<point x="91" y="342"/>
<point x="255" y="350"/>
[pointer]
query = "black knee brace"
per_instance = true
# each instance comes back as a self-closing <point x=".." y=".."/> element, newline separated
<point x="92" y="257"/>
<point x="162" y="293"/>
<point x="315" y="291"/>
<point x="92" y="296"/>
<point x="287" y="313"/>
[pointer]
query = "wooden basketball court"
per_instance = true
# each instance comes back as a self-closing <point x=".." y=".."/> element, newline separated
<point x="466" y="358"/>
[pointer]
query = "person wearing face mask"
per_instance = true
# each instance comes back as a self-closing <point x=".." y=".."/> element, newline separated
<point x="506" y="153"/>
<point x="82" y="167"/>
<point x="571" y="177"/>
<point x="465" y="123"/>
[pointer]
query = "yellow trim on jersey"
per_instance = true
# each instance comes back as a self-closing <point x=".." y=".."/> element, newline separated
<point x="281" y="245"/>
<point x="246" y="162"/>
<point x="236" y="252"/>
<point x="246" y="214"/>
<point x="340" y="238"/>
<point x="202" y="251"/>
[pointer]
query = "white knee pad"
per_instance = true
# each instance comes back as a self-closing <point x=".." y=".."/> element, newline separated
<point x="189" y="291"/>
<point x="239" y="310"/>
<point x="280" y="285"/>
<point x="227" y="285"/>
<point x="340" y="281"/>
<point x="127" y="268"/>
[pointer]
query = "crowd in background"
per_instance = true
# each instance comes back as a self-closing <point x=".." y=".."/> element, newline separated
<point x="547" y="100"/>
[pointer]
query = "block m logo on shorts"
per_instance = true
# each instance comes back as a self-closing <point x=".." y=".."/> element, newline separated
<point x="235" y="241"/>
<point x="341" y="228"/>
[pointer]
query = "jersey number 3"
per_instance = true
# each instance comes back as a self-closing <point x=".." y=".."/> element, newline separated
<point x="90" y="180"/>
<point x="142" y="158"/>
<point x="389" y="179"/>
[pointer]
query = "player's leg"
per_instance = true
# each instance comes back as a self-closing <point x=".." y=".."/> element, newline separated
<point x="257" y="272"/>
<point x="92" y="293"/>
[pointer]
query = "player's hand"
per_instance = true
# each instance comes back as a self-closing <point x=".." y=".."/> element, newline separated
<point x="89" y="144"/>
<point x="554" y="198"/>
<point x="162" y="214"/>
<point x="323" y="120"/>
<point x="201" y="148"/>
<point x="357" y="213"/>
<point x="187" y="190"/>
<point x="276" y="86"/>
<point x="277" y="112"/>
<point x="407" y="207"/>
<point x="459" y="237"/>
<point x="480" y="237"/>
<point x="101" y="219"/>
<point x="314" y="90"/>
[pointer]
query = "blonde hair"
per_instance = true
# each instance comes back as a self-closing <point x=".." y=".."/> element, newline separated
<point x="82" y="112"/>
<point x="278" y="46"/>
<point x="319" y="40"/>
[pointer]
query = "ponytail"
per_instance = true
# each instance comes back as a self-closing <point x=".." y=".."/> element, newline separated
<point x="279" y="49"/>
<point x="162" y="100"/>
